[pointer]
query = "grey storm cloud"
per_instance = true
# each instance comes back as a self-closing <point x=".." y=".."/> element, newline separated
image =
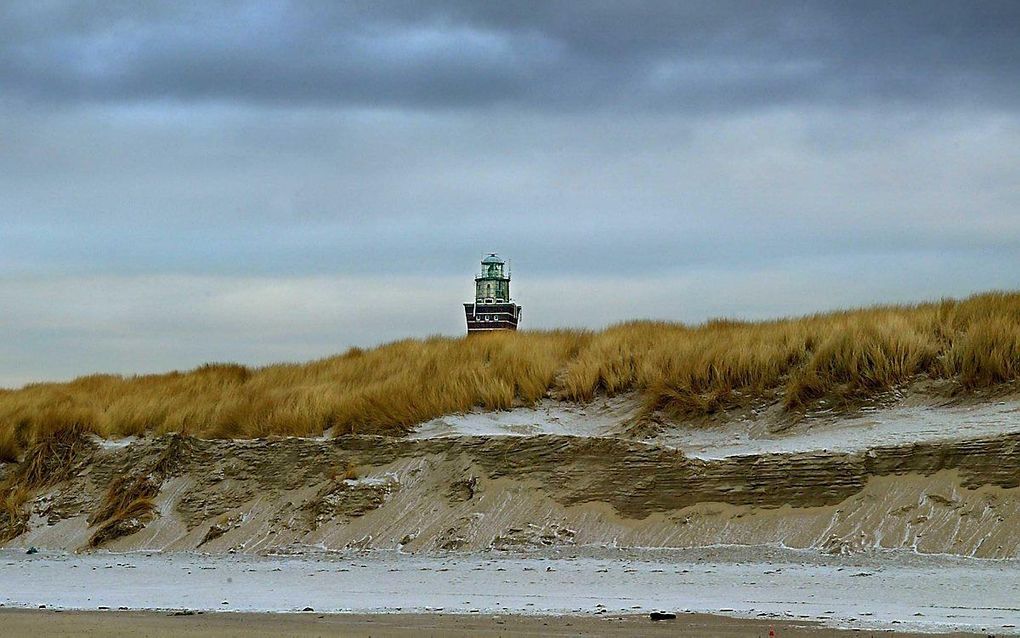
<point x="691" y="56"/>
<point x="264" y="180"/>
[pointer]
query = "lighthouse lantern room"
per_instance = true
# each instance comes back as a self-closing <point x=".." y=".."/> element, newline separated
<point x="492" y="309"/>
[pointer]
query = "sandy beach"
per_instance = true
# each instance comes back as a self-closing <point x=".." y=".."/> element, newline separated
<point x="46" y="623"/>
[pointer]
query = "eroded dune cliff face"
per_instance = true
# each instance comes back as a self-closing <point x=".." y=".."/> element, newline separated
<point x="481" y="491"/>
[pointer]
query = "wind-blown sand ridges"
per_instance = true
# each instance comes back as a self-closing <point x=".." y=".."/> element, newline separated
<point x="499" y="492"/>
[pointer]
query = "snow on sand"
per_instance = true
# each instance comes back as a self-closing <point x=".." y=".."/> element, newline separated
<point x="896" y="590"/>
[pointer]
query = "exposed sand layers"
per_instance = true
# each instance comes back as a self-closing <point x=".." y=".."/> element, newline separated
<point x="548" y="478"/>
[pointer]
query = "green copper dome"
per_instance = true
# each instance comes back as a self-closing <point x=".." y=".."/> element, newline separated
<point x="492" y="259"/>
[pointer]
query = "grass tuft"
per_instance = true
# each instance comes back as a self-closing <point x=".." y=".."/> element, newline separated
<point x="127" y="519"/>
<point x="121" y="497"/>
<point x="48" y="461"/>
<point x="13" y="515"/>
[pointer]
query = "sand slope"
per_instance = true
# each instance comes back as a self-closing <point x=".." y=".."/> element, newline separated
<point x="575" y="477"/>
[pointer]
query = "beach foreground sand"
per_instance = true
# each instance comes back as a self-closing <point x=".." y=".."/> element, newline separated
<point x="870" y="592"/>
<point x="44" y="623"/>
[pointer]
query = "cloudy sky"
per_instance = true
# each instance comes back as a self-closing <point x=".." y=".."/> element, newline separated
<point x="277" y="181"/>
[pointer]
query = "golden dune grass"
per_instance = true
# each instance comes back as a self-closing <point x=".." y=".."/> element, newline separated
<point x="679" y="370"/>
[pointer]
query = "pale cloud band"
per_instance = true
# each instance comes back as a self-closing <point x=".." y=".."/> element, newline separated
<point x="61" y="327"/>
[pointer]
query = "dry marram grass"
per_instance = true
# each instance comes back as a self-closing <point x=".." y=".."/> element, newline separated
<point x="50" y="459"/>
<point x="680" y="370"/>
<point x="127" y="498"/>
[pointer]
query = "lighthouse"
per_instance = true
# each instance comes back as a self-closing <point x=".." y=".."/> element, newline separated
<point x="492" y="309"/>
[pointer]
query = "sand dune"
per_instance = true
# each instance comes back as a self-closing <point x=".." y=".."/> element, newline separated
<point x="892" y="481"/>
